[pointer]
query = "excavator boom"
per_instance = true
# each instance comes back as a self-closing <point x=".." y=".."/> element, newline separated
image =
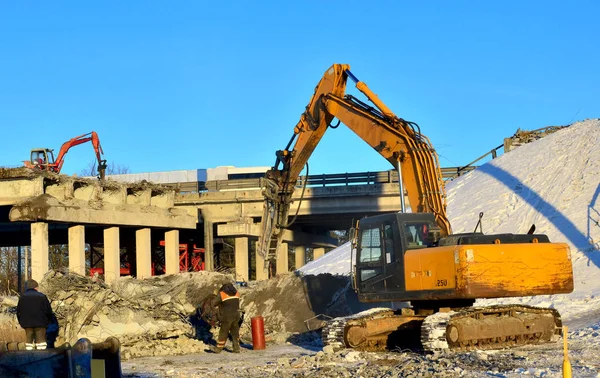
<point x="397" y="140"/>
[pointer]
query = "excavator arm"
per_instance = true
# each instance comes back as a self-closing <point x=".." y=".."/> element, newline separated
<point x="397" y="140"/>
<point x="93" y="137"/>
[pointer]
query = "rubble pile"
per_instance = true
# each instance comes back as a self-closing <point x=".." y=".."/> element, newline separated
<point x="348" y="363"/>
<point x="158" y="316"/>
<point x="522" y="137"/>
<point x="150" y="317"/>
<point x="293" y="303"/>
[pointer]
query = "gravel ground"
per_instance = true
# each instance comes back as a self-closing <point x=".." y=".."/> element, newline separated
<point x="308" y="358"/>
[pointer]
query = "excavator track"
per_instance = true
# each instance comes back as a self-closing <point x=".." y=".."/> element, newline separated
<point x="491" y="327"/>
<point x="334" y="331"/>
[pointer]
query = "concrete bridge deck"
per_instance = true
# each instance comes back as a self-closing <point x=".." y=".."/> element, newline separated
<point x="34" y="204"/>
<point x="39" y="209"/>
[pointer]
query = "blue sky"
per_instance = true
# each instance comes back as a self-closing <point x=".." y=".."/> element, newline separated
<point x="186" y="85"/>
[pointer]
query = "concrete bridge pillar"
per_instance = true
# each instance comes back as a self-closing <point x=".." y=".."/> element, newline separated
<point x="39" y="250"/>
<point x="241" y="258"/>
<point x="209" y="262"/>
<point x="172" y="252"/>
<point x="318" y="252"/>
<point x="261" y="274"/>
<point x="77" y="250"/>
<point x="112" y="255"/>
<point x="143" y="253"/>
<point x="300" y="258"/>
<point x="282" y="259"/>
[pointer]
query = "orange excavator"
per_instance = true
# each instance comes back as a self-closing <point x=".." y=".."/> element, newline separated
<point x="43" y="158"/>
<point x="414" y="257"/>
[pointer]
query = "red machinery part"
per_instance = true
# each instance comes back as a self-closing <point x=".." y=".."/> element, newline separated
<point x="258" y="333"/>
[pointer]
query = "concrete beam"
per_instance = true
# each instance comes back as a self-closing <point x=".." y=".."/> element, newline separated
<point x="172" y="252"/>
<point x="139" y="197"/>
<point x="16" y="189"/>
<point x="292" y="237"/>
<point x="281" y="264"/>
<point x="318" y="252"/>
<point x="143" y="253"/>
<point x="87" y="192"/>
<point x="39" y="250"/>
<point x="77" y="250"/>
<point x="164" y="200"/>
<point x="241" y="259"/>
<point x="48" y="208"/>
<point x="261" y="273"/>
<point x="300" y="258"/>
<point x="223" y="207"/>
<point x="116" y="196"/>
<point x="112" y="255"/>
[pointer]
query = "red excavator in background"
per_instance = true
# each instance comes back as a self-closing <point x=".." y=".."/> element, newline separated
<point x="43" y="158"/>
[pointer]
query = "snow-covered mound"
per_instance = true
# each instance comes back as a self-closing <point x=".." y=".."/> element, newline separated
<point x="336" y="261"/>
<point x="553" y="183"/>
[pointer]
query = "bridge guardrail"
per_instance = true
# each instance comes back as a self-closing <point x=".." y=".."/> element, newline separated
<point x="323" y="180"/>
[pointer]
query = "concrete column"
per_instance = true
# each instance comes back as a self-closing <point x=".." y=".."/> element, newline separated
<point x="318" y="252"/>
<point x="261" y="274"/>
<point x="172" y="252"/>
<point x="143" y="253"/>
<point x="112" y="255"/>
<point x="77" y="250"/>
<point x="241" y="258"/>
<point x="209" y="262"/>
<point x="282" y="259"/>
<point x="300" y="252"/>
<point x="39" y="250"/>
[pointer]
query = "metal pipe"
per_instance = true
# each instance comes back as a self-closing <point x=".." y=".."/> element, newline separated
<point x="402" y="204"/>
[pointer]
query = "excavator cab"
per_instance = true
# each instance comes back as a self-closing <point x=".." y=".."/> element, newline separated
<point x="381" y="244"/>
<point x="42" y="158"/>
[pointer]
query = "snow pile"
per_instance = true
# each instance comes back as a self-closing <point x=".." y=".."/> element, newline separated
<point x="553" y="183"/>
<point x="333" y="262"/>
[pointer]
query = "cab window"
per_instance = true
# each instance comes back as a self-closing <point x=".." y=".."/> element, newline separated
<point x="388" y="236"/>
<point x="370" y="253"/>
<point x="370" y="245"/>
<point x="415" y="235"/>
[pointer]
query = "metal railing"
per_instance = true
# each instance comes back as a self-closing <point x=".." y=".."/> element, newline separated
<point x="324" y="180"/>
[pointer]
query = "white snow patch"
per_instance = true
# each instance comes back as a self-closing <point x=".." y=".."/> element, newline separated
<point x="336" y="261"/>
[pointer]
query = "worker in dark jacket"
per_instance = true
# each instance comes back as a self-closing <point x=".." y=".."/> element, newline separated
<point x="228" y="301"/>
<point x="34" y="314"/>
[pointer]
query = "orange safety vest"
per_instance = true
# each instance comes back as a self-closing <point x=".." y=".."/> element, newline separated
<point x="225" y="296"/>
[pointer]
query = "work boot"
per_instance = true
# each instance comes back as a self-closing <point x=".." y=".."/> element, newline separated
<point x="215" y="349"/>
<point x="236" y="346"/>
<point x="29" y="346"/>
<point x="41" y="346"/>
